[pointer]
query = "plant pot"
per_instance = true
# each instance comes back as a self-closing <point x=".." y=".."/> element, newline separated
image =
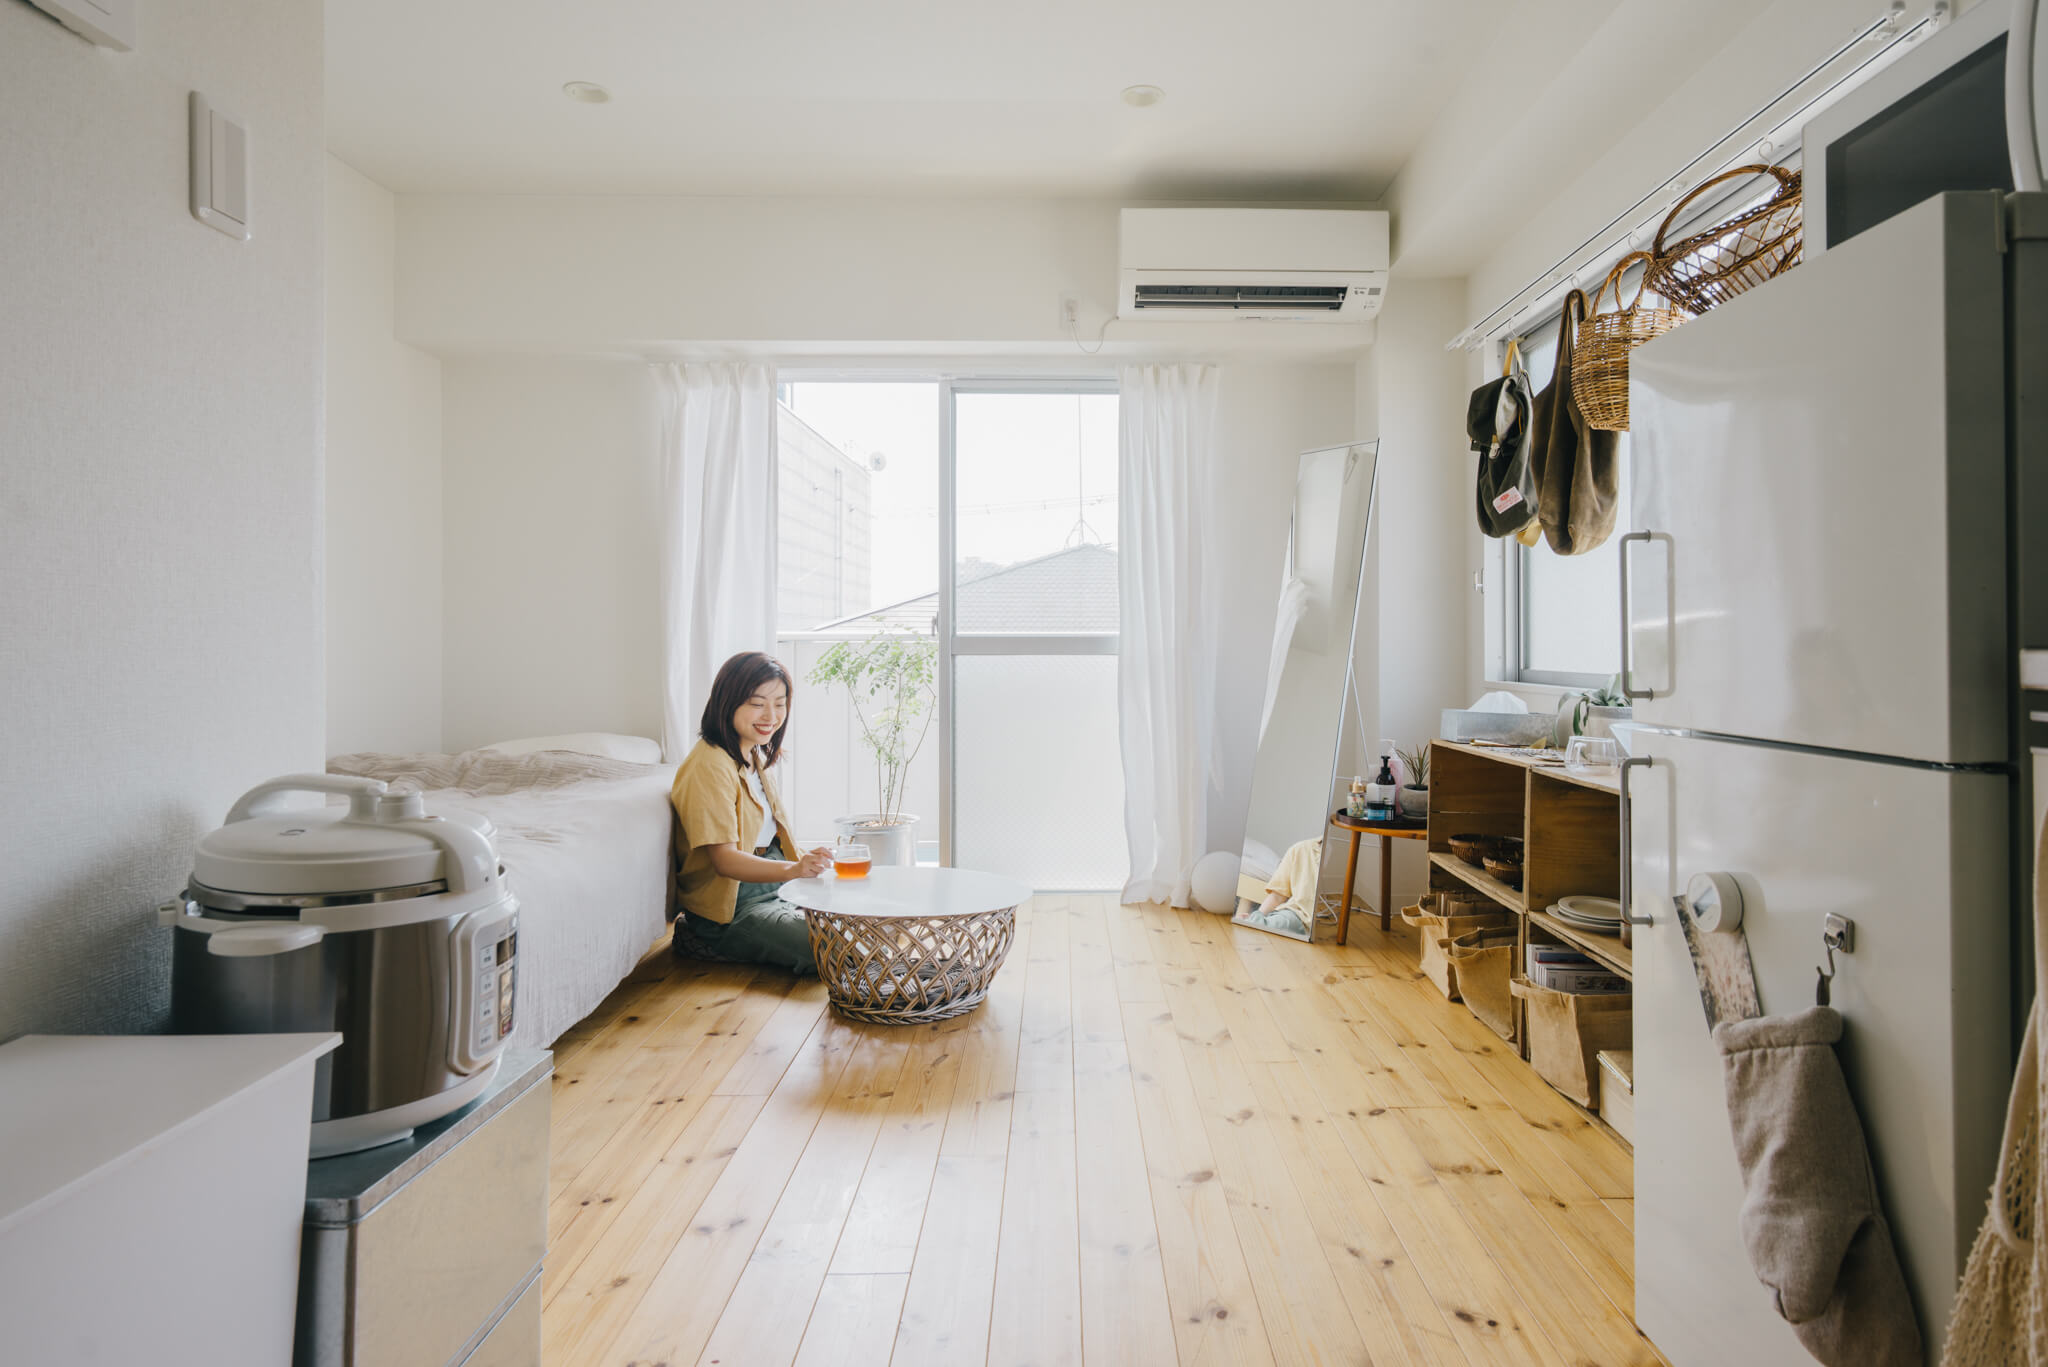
<point x="1600" y="720"/>
<point x="1414" y="802"/>
<point x="892" y="842"/>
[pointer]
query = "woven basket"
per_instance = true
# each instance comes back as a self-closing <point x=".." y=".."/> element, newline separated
<point x="1600" y="354"/>
<point x="1714" y="265"/>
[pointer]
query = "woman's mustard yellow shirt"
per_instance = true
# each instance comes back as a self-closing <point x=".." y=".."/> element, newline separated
<point x="714" y="806"/>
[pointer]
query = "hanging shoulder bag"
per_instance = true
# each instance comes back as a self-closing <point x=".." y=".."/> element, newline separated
<point x="1575" y="464"/>
<point x="1499" y="419"/>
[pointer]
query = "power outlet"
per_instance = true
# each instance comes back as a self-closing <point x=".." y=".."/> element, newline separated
<point x="1070" y="313"/>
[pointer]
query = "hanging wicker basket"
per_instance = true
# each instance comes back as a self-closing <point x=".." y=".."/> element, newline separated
<point x="1714" y="265"/>
<point x="1600" y="354"/>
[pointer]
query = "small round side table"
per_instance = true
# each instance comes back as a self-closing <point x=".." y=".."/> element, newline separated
<point x="903" y="946"/>
<point x="1388" y="832"/>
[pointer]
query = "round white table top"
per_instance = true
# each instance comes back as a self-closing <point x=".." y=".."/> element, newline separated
<point x="893" y="890"/>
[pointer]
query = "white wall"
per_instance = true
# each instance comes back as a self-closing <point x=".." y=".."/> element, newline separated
<point x="829" y="276"/>
<point x="552" y="543"/>
<point x="160" y="538"/>
<point x="383" y="490"/>
<point x="1422" y="591"/>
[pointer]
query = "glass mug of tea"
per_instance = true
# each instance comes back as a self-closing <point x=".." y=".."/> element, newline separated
<point x="851" y="859"/>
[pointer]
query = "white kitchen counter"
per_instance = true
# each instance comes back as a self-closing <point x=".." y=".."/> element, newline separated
<point x="151" y="1193"/>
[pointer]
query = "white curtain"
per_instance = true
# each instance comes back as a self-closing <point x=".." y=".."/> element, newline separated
<point x="717" y="531"/>
<point x="1165" y="696"/>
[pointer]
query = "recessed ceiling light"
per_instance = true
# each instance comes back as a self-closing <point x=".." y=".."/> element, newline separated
<point x="587" y="92"/>
<point x="1141" y="96"/>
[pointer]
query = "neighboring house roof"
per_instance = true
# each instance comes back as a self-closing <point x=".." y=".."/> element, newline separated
<point x="1071" y="590"/>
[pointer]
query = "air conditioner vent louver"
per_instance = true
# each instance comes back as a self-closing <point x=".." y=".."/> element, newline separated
<point x="1219" y="265"/>
<point x="1327" y="298"/>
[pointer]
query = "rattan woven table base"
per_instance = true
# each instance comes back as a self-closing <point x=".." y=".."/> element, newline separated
<point x="905" y="970"/>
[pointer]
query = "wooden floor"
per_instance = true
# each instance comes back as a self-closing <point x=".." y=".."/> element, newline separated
<point x="1163" y="1140"/>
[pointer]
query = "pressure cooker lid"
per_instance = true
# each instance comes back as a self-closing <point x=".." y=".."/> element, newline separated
<point x="326" y="850"/>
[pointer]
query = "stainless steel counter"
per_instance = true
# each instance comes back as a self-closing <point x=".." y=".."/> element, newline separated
<point x="427" y="1252"/>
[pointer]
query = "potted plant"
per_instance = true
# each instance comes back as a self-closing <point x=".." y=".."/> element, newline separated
<point x="1414" y="795"/>
<point x="1594" y="713"/>
<point x="890" y="678"/>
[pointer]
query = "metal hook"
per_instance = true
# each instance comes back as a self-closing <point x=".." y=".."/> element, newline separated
<point x="1837" y="932"/>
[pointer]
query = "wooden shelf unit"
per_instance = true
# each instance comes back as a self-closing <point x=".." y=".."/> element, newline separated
<point x="1570" y="825"/>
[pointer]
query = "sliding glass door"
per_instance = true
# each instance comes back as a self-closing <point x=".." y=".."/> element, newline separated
<point x="1033" y="781"/>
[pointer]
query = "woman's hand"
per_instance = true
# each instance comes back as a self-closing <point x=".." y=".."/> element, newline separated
<point x="813" y="863"/>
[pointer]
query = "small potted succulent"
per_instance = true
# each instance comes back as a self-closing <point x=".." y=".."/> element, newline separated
<point x="1594" y="713"/>
<point x="1414" y="795"/>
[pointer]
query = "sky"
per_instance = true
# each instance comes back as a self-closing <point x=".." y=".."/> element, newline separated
<point x="1033" y="469"/>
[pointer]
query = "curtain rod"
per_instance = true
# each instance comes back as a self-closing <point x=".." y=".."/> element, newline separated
<point x="1888" y="24"/>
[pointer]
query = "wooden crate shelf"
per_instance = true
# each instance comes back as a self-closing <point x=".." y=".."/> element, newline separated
<point x="1604" y="949"/>
<point x="1570" y="825"/>
<point x="1479" y="880"/>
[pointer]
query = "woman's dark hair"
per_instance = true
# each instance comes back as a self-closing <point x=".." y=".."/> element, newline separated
<point x="737" y="680"/>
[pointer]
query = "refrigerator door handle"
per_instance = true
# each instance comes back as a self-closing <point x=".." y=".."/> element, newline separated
<point x="1627" y="690"/>
<point x="1628" y="905"/>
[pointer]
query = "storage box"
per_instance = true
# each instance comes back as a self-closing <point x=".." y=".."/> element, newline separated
<point x="1484" y="961"/>
<point x="1618" y="1092"/>
<point x="1567" y="1031"/>
<point x="1441" y="917"/>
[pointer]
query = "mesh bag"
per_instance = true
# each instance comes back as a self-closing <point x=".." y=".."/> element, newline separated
<point x="2001" y="1314"/>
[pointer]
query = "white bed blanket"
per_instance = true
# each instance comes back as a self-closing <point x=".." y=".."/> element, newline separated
<point x="585" y="842"/>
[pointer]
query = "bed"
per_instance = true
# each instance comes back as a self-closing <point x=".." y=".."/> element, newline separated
<point x="586" y="840"/>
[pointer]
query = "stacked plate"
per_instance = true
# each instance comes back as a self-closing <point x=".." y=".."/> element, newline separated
<point x="1601" y="915"/>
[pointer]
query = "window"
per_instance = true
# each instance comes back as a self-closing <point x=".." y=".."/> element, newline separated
<point x="980" y="515"/>
<point x="1561" y="615"/>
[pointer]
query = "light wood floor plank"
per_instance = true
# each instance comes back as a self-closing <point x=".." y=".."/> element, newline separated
<point x="978" y="1121"/>
<point x="1035" y="1318"/>
<point x="587" y="1303"/>
<point x="888" y="1210"/>
<point x="1124" y="1314"/>
<point x="946" y="1307"/>
<point x="1162" y="1139"/>
<point x="1328" y="1037"/>
<point x="705" y="1256"/>
<point x="586" y="1203"/>
<point x="1045" y="1056"/>
<point x="1580" y="1321"/>
<point x="1098" y="1016"/>
<point x="641" y="1060"/>
<point x="1304" y="1314"/>
<point x="1208" y="1287"/>
<point x="788" y="1265"/>
<point x="775" y="1046"/>
<point x="1481" y="1308"/>
<point x="1137" y="978"/>
<point x="854" y="1321"/>
<point x="1389" y="1300"/>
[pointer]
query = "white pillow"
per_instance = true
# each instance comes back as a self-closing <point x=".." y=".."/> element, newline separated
<point x="634" y="749"/>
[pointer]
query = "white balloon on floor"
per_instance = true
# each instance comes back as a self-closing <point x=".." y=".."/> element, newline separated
<point x="1214" y="882"/>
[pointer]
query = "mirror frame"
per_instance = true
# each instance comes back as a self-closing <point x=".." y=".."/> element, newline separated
<point x="1347" y="692"/>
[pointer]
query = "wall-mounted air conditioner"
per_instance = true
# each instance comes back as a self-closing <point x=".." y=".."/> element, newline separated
<point x="1305" y="265"/>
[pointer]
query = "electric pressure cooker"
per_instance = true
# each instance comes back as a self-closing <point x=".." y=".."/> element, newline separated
<point x="393" y="927"/>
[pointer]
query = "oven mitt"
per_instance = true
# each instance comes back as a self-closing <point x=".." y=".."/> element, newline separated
<point x="1574" y="465"/>
<point x="1810" y="1215"/>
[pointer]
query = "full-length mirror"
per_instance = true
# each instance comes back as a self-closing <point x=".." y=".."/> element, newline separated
<point x="1281" y="885"/>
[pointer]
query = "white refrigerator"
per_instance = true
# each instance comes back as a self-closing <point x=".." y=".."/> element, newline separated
<point x="1821" y="599"/>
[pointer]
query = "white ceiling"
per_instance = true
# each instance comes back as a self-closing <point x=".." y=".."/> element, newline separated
<point x="1284" y="100"/>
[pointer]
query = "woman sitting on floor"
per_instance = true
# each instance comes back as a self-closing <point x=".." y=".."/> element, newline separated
<point x="728" y="806"/>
